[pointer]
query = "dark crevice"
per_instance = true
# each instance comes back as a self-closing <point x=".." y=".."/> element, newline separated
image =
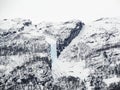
<point x="74" y="33"/>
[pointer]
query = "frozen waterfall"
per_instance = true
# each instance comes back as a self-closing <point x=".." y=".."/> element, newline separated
<point x="53" y="47"/>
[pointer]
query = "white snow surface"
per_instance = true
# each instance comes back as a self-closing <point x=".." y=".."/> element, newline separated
<point x="111" y="80"/>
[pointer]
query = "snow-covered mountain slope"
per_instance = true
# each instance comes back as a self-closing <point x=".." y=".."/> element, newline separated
<point x="89" y="55"/>
<point x="63" y="32"/>
<point x="27" y="51"/>
<point x="93" y="57"/>
<point x="24" y="54"/>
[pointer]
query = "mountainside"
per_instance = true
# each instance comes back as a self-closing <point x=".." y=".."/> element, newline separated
<point x="25" y="51"/>
<point x="60" y="56"/>
<point x="92" y="59"/>
<point x="24" y="54"/>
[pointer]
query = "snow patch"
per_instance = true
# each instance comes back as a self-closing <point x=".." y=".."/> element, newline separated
<point x="114" y="79"/>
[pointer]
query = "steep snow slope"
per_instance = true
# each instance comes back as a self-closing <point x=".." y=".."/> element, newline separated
<point x="93" y="56"/>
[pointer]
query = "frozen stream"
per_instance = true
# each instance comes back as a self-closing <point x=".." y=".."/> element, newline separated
<point x="53" y="47"/>
<point x="55" y="63"/>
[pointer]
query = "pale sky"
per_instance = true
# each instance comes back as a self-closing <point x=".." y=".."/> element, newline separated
<point x="59" y="10"/>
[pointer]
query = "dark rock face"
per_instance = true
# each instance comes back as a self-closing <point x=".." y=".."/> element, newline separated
<point x="64" y="32"/>
<point x="74" y="32"/>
